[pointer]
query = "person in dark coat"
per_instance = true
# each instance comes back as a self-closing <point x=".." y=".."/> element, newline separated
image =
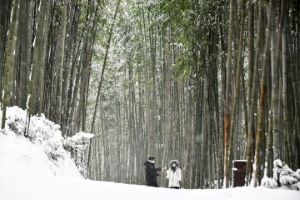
<point x="151" y="172"/>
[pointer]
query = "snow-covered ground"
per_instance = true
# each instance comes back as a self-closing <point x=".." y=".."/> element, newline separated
<point x="26" y="173"/>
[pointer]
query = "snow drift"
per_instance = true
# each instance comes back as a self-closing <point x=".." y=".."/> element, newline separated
<point x="40" y="153"/>
<point x="43" y="137"/>
<point x="20" y="157"/>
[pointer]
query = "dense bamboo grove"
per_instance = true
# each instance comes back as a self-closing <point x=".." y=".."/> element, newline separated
<point x="46" y="53"/>
<point x="205" y="82"/>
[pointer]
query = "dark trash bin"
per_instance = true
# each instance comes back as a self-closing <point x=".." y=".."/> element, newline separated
<point x="239" y="172"/>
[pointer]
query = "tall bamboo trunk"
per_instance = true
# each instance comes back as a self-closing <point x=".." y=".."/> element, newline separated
<point x="275" y="101"/>
<point x="250" y="148"/>
<point x="37" y="62"/>
<point x="261" y="110"/>
<point x="8" y="80"/>
<point x="249" y="138"/>
<point x="60" y="60"/>
<point x="236" y="95"/>
<point x="286" y="122"/>
<point x="4" y="23"/>
<point x="227" y="119"/>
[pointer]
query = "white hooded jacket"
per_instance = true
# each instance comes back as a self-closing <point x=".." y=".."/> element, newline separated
<point x="174" y="177"/>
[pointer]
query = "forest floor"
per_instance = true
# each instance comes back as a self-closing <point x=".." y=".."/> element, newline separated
<point x="26" y="173"/>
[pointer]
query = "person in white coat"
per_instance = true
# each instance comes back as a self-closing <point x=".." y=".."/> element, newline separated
<point x="174" y="175"/>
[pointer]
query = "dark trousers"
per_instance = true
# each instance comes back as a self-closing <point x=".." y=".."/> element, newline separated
<point x="152" y="184"/>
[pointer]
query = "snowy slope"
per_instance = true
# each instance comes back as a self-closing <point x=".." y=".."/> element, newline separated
<point x="21" y="158"/>
<point x="26" y="173"/>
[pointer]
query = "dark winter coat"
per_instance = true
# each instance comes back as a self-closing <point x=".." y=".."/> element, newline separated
<point x="151" y="174"/>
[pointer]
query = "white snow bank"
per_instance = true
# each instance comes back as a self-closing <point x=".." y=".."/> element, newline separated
<point x="44" y="143"/>
<point x="20" y="158"/>
<point x="40" y="130"/>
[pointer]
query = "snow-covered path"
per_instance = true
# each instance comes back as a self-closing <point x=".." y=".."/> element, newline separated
<point x="62" y="188"/>
<point x="27" y="174"/>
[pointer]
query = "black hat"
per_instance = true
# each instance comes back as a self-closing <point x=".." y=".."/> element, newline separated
<point x="151" y="158"/>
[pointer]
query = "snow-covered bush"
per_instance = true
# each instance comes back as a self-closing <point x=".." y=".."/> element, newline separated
<point x="282" y="176"/>
<point x="16" y="120"/>
<point x="269" y="182"/>
<point x="47" y="134"/>
<point x="40" y="130"/>
<point x="78" y="145"/>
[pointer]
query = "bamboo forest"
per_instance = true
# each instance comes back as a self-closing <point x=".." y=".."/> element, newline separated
<point x="205" y="82"/>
